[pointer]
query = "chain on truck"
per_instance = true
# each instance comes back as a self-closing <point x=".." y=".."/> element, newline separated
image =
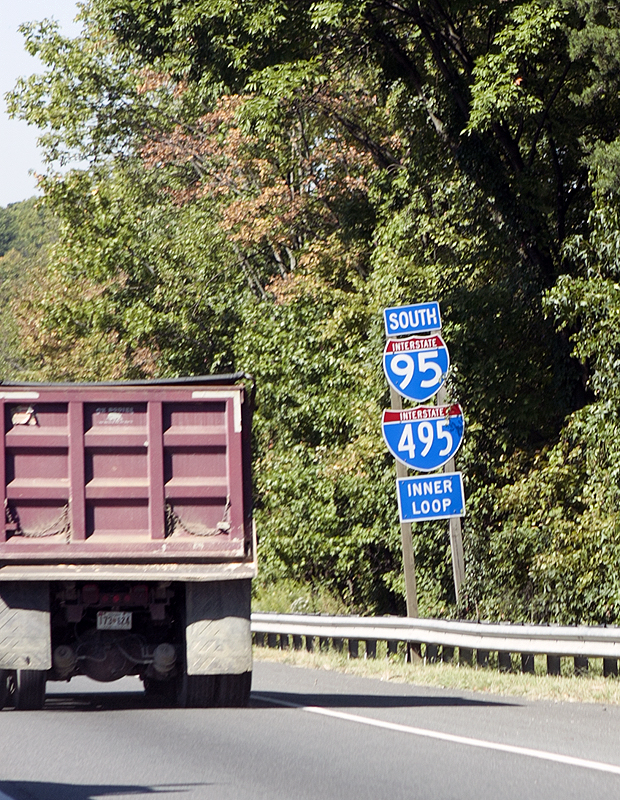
<point x="127" y="546"/>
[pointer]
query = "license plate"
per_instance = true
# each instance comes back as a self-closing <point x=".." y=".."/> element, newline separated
<point x="114" y="620"/>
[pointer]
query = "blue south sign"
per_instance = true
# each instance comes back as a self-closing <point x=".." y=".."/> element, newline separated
<point x="405" y="320"/>
<point x="424" y="438"/>
<point x="416" y="367"/>
<point x="428" y="497"/>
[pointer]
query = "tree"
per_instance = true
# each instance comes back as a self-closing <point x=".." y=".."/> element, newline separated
<point x="27" y="231"/>
<point x="263" y="179"/>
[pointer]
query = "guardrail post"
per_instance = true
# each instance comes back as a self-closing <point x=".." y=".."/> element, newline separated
<point x="337" y="644"/>
<point x="504" y="661"/>
<point x="581" y="665"/>
<point x="447" y="654"/>
<point x="466" y="656"/>
<point x="310" y="644"/>
<point x="371" y="648"/>
<point x="353" y="648"/>
<point x="610" y="667"/>
<point x="272" y="640"/>
<point x="431" y="653"/>
<point x="284" y="641"/>
<point x="259" y="639"/>
<point x="482" y="658"/>
<point x="392" y="648"/>
<point x="297" y="643"/>
<point x="527" y="663"/>
<point x="553" y="665"/>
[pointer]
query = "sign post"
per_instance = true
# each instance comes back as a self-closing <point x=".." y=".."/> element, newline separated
<point x="405" y="532"/>
<point x="456" y="531"/>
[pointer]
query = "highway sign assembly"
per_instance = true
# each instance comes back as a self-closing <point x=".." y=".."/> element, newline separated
<point x="428" y="497"/>
<point x="424" y="438"/>
<point x="416" y="367"/>
<point x="405" y="320"/>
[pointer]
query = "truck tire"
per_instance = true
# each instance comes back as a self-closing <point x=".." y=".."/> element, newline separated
<point x="198" y="691"/>
<point x="233" y="691"/>
<point x="164" y="691"/>
<point x="4" y="687"/>
<point x="30" y="689"/>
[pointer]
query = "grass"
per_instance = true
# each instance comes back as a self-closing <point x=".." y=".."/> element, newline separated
<point x="287" y="596"/>
<point x="290" y="597"/>
<point x="590" y="688"/>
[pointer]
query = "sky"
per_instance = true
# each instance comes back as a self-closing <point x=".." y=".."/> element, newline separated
<point x="19" y="155"/>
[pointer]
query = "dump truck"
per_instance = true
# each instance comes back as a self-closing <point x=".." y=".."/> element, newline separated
<point x="128" y="544"/>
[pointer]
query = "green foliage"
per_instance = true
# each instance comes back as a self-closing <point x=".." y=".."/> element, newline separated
<point x="288" y="597"/>
<point x="511" y="76"/>
<point x="26" y="227"/>
<point x="88" y="102"/>
<point x="134" y="275"/>
<point x="27" y="230"/>
<point x="262" y="179"/>
<point x="557" y="546"/>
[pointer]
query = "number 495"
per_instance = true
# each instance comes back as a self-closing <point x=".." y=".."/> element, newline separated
<point x="426" y="435"/>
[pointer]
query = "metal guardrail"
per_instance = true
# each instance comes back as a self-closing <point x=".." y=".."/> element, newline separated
<point x="579" y="641"/>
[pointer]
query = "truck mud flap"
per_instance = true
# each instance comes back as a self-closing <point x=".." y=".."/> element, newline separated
<point x="217" y="634"/>
<point x="25" y="636"/>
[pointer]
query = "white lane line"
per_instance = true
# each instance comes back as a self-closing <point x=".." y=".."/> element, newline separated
<point x="543" y="755"/>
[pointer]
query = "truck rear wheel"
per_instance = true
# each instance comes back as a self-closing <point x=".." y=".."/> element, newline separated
<point x="161" y="691"/>
<point x="4" y="687"/>
<point x="198" y="691"/>
<point x="30" y="689"/>
<point x="234" y="690"/>
<point x="222" y="691"/>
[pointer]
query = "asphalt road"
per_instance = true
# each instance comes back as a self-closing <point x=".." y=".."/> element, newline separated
<point x="308" y="734"/>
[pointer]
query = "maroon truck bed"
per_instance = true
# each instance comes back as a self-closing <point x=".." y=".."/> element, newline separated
<point x="125" y="473"/>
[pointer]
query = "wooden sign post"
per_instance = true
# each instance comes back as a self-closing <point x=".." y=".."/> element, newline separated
<point x="405" y="532"/>
<point x="456" y="532"/>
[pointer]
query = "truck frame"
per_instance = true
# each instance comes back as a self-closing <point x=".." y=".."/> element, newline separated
<point x="128" y="545"/>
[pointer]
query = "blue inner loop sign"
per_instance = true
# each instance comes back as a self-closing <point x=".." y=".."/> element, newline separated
<point x="405" y="320"/>
<point x="424" y="438"/>
<point x="416" y="367"/>
<point x="428" y="497"/>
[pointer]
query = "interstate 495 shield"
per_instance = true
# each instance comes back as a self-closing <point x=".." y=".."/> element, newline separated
<point x="424" y="438"/>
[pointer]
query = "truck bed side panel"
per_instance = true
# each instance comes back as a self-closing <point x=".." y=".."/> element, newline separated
<point x="157" y="474"/>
